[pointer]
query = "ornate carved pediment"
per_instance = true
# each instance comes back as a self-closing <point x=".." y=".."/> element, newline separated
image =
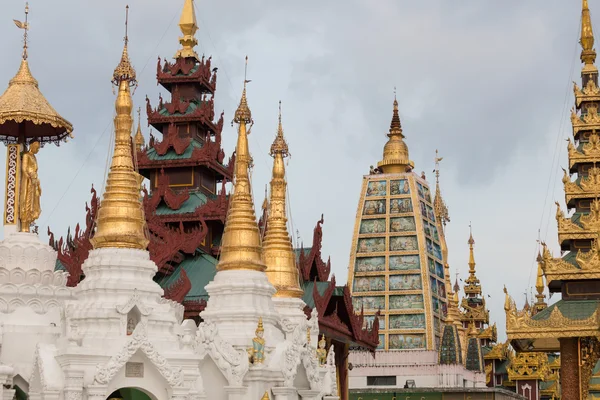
<point x="587" y="187"/>
<point x="529" y="366"/>
<point x="231" y="362"/>
<point x="557" y="269"/>
<point x="568" y="230"/>
<point x="521" y="324"/>
<point x="589" y="120"/>
<point x="139" y="341"/>
<point x="499" y="352"/>
<point x="590" y="92"/>
<point x="589" y="152"/>
<point x="134" y="301"/>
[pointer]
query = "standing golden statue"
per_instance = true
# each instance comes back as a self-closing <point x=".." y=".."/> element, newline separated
<point x="29" y="200"/>
<point x="322" y="351"/>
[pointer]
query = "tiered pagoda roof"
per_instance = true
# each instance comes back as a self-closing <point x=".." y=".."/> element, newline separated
<point x="571" y="324"/>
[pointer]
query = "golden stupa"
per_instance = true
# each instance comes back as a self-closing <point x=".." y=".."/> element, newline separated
<point x="279" y="255"/>
<point x="241" y="247"/>
<point x="395" y="151"/>
<point x="121" y="222"/>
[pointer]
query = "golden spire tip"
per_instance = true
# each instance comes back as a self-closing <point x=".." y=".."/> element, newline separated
<point x="25" y="27"/>
<point x="188" y="26"/>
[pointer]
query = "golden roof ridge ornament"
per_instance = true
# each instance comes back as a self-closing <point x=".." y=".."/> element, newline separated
<point x="23" y="101"/>
<point x="278" y="252"/>
<point x="588" y="54"/>
<point x="121" y="222"/>
<point x="241" y="247"/>
<point x="395" y="151"/>
<point x="188" y="26"/>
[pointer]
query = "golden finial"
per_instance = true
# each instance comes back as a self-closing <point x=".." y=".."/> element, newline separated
<point x="139" y="137"/>
<point x="260" y="327"/>
<point x="279" y="255"/>
<point x="25" y="27"/>
<point x="265" y="396"/>
<point x="124" y="71"/>
<point x="243" y="113"/>
<point x="588" y="54"/>
<point x="241" y="247"/>
<point x="121" y="222"/>
<point x="540" y="304"/>
<point x="189" y="27"/>
<point x="395" y="151"/>
<point x="507" y="302"/>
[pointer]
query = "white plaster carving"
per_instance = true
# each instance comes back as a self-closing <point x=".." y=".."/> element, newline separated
<point x="134" y="301"/>
<point x="231" y="362"/>
<point x="138" y="341"/>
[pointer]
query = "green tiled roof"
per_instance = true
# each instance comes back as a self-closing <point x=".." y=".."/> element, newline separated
<point x="306" y="251"/>
<point x="308" y="288"/>
<point x="570" y="258"/>
<point x="546" y="384"/>
<point x="200" y="269"/>
<point x="197" y="199"/>
<point x="575" y="218"/>
<point x="191" y="108"/>
<point x="572" y="309"/>
<point x="172" y="155"/>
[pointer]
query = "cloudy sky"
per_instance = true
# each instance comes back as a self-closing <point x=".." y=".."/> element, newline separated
<point x="486" y="83"/>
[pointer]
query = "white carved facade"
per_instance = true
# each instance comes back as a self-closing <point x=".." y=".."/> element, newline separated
<point x="114" y="330"/>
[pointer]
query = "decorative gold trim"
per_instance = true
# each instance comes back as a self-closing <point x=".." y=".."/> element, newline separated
<point x="521" y="325"/>
<point x="12" y="184"/>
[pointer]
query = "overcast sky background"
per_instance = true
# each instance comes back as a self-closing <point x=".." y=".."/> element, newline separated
<point x="487" y="83"/>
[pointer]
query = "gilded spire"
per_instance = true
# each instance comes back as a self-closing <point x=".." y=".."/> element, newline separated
<point x="472" y="287"/>
<point x="439" y="205"/>
<point x="139" y="138"/>
<point x="241" y="245"/>
<point x="189" y="27"/>
<point x="243" y="113"/>
<point x="23" y="101"/>
<point x="588" y="54"/>
<point x="277" y="247"/>
<point x="395" y="151"/>
<point x="121" y="222"/>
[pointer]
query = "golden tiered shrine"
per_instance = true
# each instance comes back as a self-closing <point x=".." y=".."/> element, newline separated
<point x="571" y="325"/>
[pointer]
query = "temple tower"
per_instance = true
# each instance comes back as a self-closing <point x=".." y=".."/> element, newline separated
<point x="571" y="324"/>
<point x="473" y="305"/>
<point x="396" y="260"/>
<point x="186" y="203"/>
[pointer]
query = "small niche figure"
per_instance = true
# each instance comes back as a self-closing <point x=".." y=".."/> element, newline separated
<point x="130" y="325"/>
<point x="321" y="351"/>
<point x="257" y="352"/>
